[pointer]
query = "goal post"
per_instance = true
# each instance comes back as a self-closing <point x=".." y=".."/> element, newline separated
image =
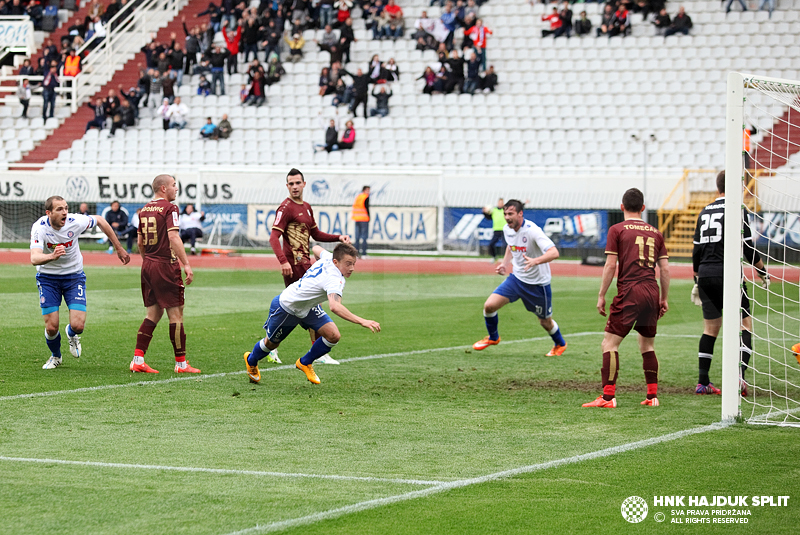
<point x="731" y="298"/>
<point x="763" y="183"/>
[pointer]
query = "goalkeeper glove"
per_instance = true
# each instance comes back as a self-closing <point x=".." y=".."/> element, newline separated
<point x="696" y="296"/>
<point x="765" y="281"/>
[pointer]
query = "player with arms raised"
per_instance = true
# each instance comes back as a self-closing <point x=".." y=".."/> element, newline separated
<point x="294" y="221"/>
<point x="59" y="271"/>
<point x="161" y="248"/>
<point x="639" y="247"/>
<point x="299" y="304"/>
<point x="530" y="251"/>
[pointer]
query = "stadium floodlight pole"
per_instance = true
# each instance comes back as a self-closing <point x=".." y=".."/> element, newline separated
<point x="644" y="141"/>
<point x="732" y="268"/>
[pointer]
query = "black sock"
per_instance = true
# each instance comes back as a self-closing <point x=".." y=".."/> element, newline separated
<point x="746" y="350"/>
<point x="705" y="354"/>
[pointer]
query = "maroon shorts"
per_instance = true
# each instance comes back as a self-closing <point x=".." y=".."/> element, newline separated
<point x="162" y="284"/>
<point x="298" y="270"/>
<point x="635" y="307"/>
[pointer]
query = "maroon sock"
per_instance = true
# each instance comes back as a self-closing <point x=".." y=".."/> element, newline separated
<point x="178" y="338"/>
<point x="609" y="373"/>
<point x="650" y="366"/>
<point x="143" y="337"/>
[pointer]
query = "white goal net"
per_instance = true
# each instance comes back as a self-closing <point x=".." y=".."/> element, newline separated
<point x="763" y="179"/>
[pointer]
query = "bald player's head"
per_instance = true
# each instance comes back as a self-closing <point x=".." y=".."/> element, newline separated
<point x="165" y="186"/>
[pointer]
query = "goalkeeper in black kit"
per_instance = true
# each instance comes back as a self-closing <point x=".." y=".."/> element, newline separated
<point x="707" y="260"/>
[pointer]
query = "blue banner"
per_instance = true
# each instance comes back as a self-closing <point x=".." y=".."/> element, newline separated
<point x="229" y="215"/>
<point x="567" y="228"/>
<point x="781" y="228"/>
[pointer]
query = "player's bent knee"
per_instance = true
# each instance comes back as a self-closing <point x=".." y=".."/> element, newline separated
<point x="333" y="337"/>
<point x="330" y="333"/>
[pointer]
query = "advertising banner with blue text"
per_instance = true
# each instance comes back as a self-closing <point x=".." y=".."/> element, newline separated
<point x="389" y="225"/>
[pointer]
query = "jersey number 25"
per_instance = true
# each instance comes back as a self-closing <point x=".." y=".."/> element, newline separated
<point x="711" y="228"/>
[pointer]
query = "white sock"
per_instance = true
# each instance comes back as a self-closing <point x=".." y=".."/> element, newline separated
<point x="138" y="360"/>
<point x="181" y="365"/>
<point x="554" y="329"/>
<point x="489" y="314"/>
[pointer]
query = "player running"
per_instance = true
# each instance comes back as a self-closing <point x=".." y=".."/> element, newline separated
<point x="529" y="250"/>
<point x="639" y="247"/>
<point x="294" y="221"/>
<point x="59" y="271"/>
<point x="707" y="261"/>
<point x="299" y="304"/>
<point x="162" y="287"/>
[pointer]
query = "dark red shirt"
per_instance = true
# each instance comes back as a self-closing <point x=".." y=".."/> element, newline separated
<point x="296" y="223"/>
<point x="639" y="247"/>
<point x="156" y="219"/>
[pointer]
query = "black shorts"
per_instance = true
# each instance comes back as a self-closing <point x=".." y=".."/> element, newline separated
<point x="711" y="292"/>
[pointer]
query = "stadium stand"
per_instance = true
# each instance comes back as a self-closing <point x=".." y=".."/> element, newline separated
<point x="563" y="102"/>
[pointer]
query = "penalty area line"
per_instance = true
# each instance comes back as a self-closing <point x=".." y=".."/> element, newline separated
<point x="223" y="471"/>
<point x="380" y="502"/>
<point x="270" y="369"/>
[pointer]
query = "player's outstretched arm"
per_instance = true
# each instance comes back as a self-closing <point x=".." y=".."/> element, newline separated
<point x="335" y="302"/>
<point x="318" y="235"/>
<point x="176" y="244"/>
<point x="663" y="269"/>
<point x="504" y="266"/>
<point x="609" y="269"/>
<point x="39" y="257"/>
<point x="122" y="254"/>
<point x="317" y="250"/>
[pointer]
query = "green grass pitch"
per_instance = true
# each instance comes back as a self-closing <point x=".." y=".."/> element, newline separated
<point x="384" y="444"/>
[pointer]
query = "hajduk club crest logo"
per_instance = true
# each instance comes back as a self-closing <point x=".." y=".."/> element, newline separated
<point x="634" y="509"/>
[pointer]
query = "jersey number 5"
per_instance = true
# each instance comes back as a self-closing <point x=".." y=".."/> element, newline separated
<point x="711" y="228"/>
<point x="649" y="260"/>
<point x="149" y="231"/>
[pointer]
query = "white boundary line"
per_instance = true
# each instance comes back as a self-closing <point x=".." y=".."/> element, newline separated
<point x="270" y="369"/>
<point x="219" y="471"/>
<point x="379" y="502"/>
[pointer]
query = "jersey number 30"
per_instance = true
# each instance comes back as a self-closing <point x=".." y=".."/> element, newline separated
<point x="149" y="231"/>
<point x="650" y="245"/>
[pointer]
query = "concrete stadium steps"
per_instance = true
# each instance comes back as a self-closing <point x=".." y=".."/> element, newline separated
<point x="565" y="102"/>
<point x="74" y="126"/>
<point x="779" y="144"/>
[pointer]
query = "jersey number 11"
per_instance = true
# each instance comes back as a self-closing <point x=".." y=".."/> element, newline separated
<point x="650" y="246"/>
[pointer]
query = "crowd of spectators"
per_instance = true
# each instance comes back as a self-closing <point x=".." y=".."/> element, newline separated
<point x="615" y="19"/>
<point x="335" y="137"/>
<point x="465" y="71"/>
<point x="112" y="110"/>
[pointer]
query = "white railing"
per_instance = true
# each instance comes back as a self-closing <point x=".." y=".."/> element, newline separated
<point x="64" y="91"/>
<point x="128" y="31"/>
